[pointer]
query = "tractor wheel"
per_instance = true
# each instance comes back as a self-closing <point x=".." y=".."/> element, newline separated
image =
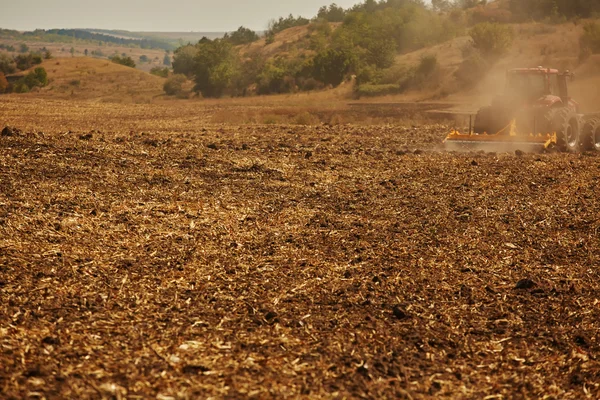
<point x="484" y="121"/>
<point x="590" y="135"/>
<point x="566" y="124"/>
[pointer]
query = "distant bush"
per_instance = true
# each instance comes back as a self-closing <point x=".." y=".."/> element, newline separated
<point x="26" y="61"/>
<point x="492" y="39"/>
<point x="35" y="78"/>
<point x="7" y="64"/>
<point x="158" y="71"/>
<point x="281" y="24"/>
<point x="370" y="90"/>
<point x="126" y="61"/>
<point x="174" y="85"/>
<point x="144" y="58"/>
<point x="23" y="48"/>
<point x="333" y="13"/>
<point x="590" y="40"/>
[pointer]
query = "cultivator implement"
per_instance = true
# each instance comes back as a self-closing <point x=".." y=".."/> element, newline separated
<point x="507" y="139"/>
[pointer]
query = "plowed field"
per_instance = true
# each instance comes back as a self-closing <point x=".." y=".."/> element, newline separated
<point x="145" y="253"/>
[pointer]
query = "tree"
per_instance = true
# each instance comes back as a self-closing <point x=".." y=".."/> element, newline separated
<point x="242" y="36"/>
<point x="47" y="55"/>
<point x="331" y="66"/>
<point x="26" y="61"/>
<point x="72" y="51"/>
<point x="144" y="58"/>
<point x="167" y="60"/>
<point x="184" y="60"/>
<point x="333" y="13"/>
<point x="23" y="48"/>
<point x="216" y="66"/>
<point x="85" y="52"/>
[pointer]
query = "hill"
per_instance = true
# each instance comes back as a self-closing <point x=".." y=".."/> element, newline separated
<point x="85" y="78"/>
<point x="535" y="44"/>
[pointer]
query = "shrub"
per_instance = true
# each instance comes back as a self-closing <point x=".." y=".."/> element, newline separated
<point x="158" y="71"/>
<point x="26" y="61"/>
<point x="7" y="64"/>
<point x="590" y="40"/>
<point x="126" y="61"/>
<point x="20" y="87"/>
<point x="492" y="39"/>
<point x="369" y="90"/>
<point x="35" y="78"/>
<point x="174" y="85"/>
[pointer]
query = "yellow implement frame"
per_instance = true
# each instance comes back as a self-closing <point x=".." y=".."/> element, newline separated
<point x="501" y="140"/>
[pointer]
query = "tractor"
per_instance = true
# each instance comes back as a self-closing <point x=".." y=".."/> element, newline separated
<point x="535" y="111"/>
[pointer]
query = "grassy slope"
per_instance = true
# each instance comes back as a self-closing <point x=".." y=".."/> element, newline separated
<point x="85" y="78"/>
<point x="535" y="44"/>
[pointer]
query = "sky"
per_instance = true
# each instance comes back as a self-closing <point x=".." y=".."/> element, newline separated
<point x="154" y="15"/>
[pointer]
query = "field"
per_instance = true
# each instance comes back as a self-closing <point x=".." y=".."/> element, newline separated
<point x="147" y="251"/>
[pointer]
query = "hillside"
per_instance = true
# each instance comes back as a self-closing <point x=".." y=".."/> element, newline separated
<point x="535" y="44"/>
<point x="84" y="78"/>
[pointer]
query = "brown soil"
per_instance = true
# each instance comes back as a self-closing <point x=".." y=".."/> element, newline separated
<point x="145" y="253"/>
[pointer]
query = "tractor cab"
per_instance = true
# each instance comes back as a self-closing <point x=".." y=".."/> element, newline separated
<point x="531" y="83"/>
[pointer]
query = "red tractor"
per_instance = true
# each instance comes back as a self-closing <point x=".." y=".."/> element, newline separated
<point x="535" y="110"/>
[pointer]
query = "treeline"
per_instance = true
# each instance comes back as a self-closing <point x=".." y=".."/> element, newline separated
<point x="540" y="9"/>
<point x="144" y="43"/>
<point x="365" y="44"/>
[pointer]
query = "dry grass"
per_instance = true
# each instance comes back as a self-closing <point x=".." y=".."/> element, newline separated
<point x="163" y="256"/>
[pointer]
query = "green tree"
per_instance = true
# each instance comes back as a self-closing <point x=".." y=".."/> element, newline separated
<point x="144" y="58"/>
<point x="167" y="60"/>
<point x="242" y="36"/>
<point x="85" y="52"/>
<point x="26" y="61"/>
<point x="23" y="48"/>
<point x="331" y="66"/>
<point x="216" y="67"/>
<point x="184" y="60"/>
<point x="333" y="13"/>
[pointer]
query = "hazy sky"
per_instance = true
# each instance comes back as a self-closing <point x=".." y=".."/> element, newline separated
<point x="153" y="15"/>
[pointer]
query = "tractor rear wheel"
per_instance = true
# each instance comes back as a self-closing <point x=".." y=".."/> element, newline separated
<point x="567" y="125"/>
<point x="590" y="135"/>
